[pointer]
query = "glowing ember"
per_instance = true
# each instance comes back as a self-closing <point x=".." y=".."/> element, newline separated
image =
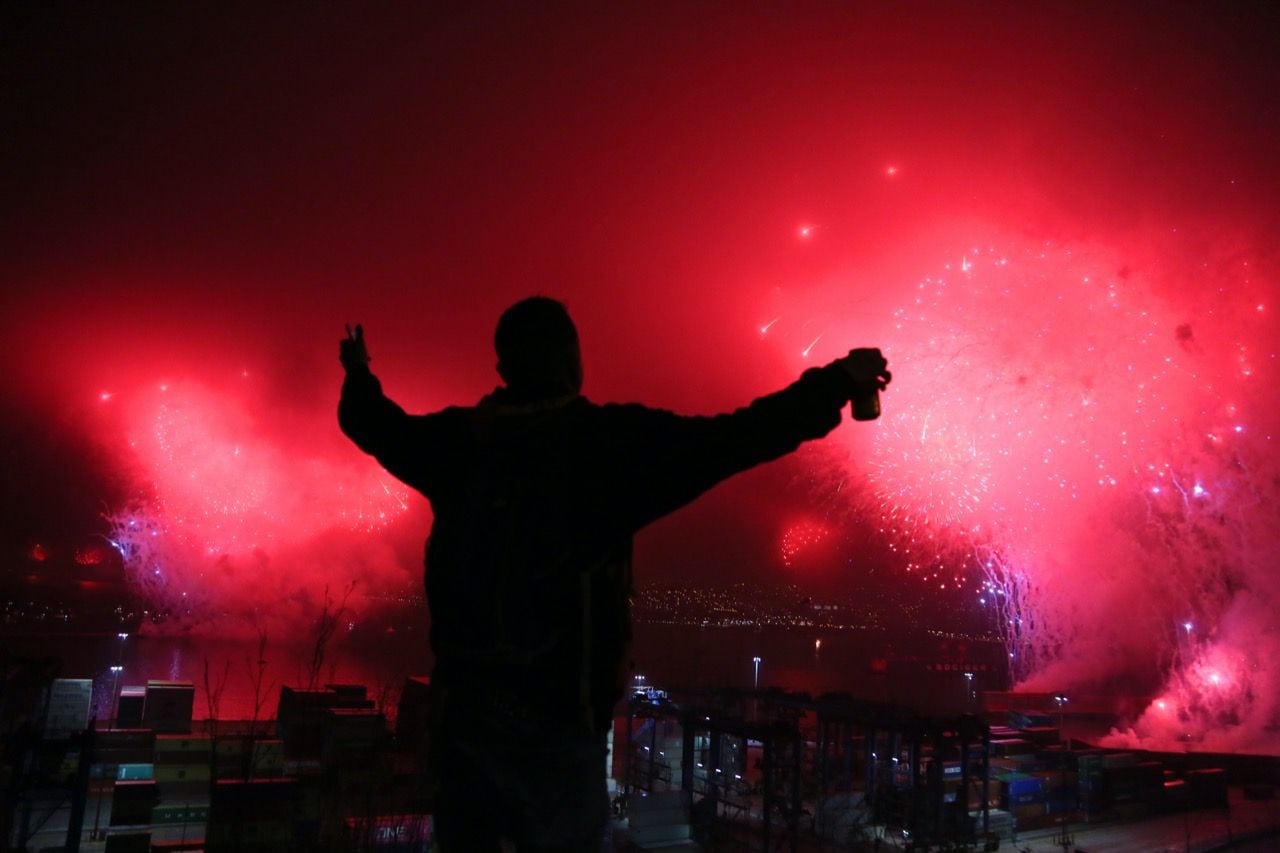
<point x="801" y="538"/>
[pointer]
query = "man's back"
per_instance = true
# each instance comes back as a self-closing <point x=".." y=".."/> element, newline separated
<point x="537" y="493"/>
<point x="535" y="505"/>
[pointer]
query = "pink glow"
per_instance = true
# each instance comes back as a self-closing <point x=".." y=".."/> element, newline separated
<point x="1042" y="437"/>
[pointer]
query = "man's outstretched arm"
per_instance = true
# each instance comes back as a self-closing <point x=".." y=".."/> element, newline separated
<point x="377" y="425"/>
<point x="675" y="458"/>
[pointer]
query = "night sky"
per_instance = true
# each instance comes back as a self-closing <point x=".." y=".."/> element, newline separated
<point x="197" y="198"/>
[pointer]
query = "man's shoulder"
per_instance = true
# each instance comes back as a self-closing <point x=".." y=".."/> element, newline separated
<point x="637" y="423"/>
<point x="625" y="413"/>
<point x="630" y="410"/>
<point x="449" y="423"/>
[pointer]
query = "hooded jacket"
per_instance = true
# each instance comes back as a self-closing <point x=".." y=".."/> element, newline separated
<point x="528" y="565"/>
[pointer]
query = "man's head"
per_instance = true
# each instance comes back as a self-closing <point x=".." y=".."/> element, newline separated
<point x="537" y="346"/>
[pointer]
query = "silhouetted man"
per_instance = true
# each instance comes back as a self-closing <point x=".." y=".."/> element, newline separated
<point x="537" y="493"/>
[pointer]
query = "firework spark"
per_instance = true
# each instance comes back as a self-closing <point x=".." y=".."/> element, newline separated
<point x="1061" y="442"/>
<point x="217" y="501"/>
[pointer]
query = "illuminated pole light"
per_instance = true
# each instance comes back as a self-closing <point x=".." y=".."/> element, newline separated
<point x="1061" y="699"/>
<point x="115" y="690"/>
<point x="756" y="660"/>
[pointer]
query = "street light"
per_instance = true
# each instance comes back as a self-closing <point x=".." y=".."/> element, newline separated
<point x="1064" y="838"/>
<point x="756" y="660"/>
<point x="115" y="690"/>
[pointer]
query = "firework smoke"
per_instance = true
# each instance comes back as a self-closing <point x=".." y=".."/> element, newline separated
<point x="1086" y="450"/>
<point x="230" y="525"/>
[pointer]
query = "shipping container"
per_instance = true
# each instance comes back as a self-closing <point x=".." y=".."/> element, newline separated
<point x="1022" y="720"/>
<point x="120" y="738"/>
<point x="131" y="802"/>
<point x="168" y="706"/>
<point x="169" y="746"/>
<point x="1017" y="789"/>
<point x="67" y="710"/>
<point x="129" y="842"/>
<point x="180" y="813"/>
<point x="1042" y="735"/>
<point x="1026" y="811"/>
<point x="1113" y="760"/>
<point x="251" y="836"/>
<point x="116" y="757"/>
<point x="129" y="707"/>
<point x="1002" y="747"/>
<point x="235" y="799"/>
<point x="1060" y="805"/>
<point x="301" y="716"/>
<point x="181" y="773"/>
<point x="1058" y="757"/>
<point x="135" y="772"/>
<point x="391" y="834"/>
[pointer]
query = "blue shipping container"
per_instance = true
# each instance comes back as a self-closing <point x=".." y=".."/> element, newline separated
<point x="135" y="772"/>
